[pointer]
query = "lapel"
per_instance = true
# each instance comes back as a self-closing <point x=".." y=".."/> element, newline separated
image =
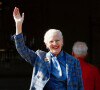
<point x="68" y="67"/>
<point x="48" y="61"/>
<point x="46" y="58"/>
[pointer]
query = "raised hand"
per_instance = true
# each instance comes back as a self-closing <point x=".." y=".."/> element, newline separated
<point x="17" y="16"/>
<point x="18" y="20"/>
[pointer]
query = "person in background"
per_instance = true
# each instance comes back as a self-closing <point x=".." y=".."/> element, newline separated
<point x="90" y="73"/>
<point x="52" y="70"/>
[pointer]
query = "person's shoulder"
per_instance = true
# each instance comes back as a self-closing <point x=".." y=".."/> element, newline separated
<point x="70" y="57"/>
<point x="92" y="67"/>
<point x="40" y="52"/>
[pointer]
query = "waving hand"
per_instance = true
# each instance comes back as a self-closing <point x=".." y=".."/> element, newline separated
<point x="18" y="20"/>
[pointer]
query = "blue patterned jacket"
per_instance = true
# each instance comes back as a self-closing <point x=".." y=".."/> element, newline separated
<point x="41" y="66"/>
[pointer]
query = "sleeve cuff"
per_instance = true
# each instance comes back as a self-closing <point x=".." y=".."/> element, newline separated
<point x="17" y="36"/>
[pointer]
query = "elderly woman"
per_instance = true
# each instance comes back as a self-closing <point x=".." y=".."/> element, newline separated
<point x="54" y="70"/>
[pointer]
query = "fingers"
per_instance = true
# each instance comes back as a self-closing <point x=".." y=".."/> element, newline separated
<point x="17" y="16"/>
<point x="16" y="11"/>
<point x="23" y="16"/>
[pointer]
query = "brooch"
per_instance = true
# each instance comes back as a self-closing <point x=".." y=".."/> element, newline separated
<point x="47" y="59"/>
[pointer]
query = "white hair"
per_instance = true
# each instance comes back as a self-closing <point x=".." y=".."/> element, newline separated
<point x="49" y="32"/>
<point x="80" y="48"/>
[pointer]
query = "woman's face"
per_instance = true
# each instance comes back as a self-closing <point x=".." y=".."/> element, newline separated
<point x="54" y="43"/>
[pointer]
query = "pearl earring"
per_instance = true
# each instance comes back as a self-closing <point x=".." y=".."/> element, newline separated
<point x="47" y="47"/>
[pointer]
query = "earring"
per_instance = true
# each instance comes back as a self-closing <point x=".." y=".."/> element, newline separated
<point x="62" y="45"/>
<point x="47" y="47"/>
